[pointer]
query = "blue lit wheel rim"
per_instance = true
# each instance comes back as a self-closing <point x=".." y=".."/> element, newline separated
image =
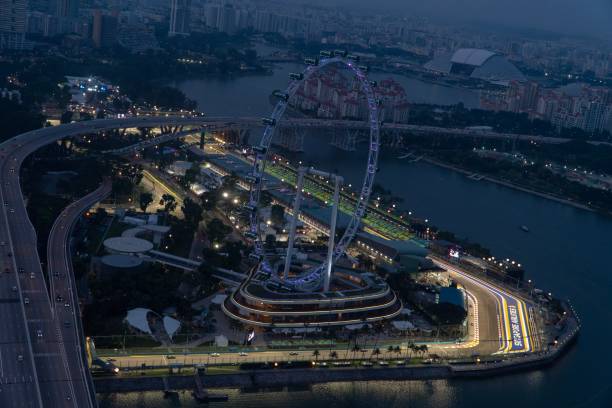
<point x="313" y="278"/>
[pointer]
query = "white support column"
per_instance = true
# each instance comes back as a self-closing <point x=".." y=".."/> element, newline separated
<point x="332" y="233"/>
<point x="296" y="214"/>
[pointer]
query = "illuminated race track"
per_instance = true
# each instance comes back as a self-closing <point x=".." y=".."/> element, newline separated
<point x="512" y="312"/>
<point x="312" y="279"/>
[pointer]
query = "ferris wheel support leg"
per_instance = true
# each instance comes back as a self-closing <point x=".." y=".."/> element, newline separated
<point x="294" y="219"/>
<point x="332" y="233"/>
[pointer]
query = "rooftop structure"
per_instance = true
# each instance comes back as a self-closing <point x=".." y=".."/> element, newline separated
<point x="353" y="298"/>
<point x="127" y="245"/>
<point x="476" y="64"/>
<point x="120" y="261"/>
<point x="405" y="256"/>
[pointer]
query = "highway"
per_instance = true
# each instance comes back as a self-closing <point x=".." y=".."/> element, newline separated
<point x="61" y="282"/>
<point x="39" y="364"/>
<point x="18" y="380"/>
<point x="240" y="123"/>
<point x="57" y="385"/>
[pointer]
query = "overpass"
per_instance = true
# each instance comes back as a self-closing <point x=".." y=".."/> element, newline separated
<point x="62" y="283"/>
<point x="212" y="123"/>
<point x="38" y="363"/>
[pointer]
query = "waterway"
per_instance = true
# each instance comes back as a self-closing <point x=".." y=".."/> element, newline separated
<point x="565" y="252"/>
<point x="248" y="95"/>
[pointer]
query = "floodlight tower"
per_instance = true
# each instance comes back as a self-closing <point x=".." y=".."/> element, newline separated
<point x="332" y="232"/>
<point x="296" y="212"/>
<point x="329" y="260"/>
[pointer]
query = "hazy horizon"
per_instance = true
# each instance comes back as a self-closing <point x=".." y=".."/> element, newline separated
<point x="592" y="18"/>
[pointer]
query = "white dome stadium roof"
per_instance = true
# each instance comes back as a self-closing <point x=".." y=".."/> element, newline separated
<point x="471" y="56"/>
<point x="477" y="64"/>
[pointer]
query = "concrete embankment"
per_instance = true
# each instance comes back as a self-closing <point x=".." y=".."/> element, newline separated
<point x="274" y="378"/>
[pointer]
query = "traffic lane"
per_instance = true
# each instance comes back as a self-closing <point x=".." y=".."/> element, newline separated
<point x="18" y="318"/>
<point x="51" y="374"/>
<point x="17" y="395"/>
<point x="518" y="326"/>
<point x="135" y="361"/>
<point x="59" y="262"/>
<point x="13" y="344"/>
<point x="12" y="368"/>
<point x="513" y="319"/>
<point x="27" y="229"/>
<point x="489" y="336"/>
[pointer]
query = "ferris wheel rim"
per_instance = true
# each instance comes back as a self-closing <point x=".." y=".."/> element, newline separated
<point x="261" y="159"/>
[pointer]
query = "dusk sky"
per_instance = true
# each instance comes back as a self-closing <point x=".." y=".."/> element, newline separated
<point x="584" y="17"/>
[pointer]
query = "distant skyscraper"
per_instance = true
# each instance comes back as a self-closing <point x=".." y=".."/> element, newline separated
<point x="104" y="29"/>
<point x="211" y="15"/>
<point x="66" y="8"/>
<point x="227" y="19"/>
<point x="264" y="21"/>
<point x="13" y="23"/>
<point x="594" y="116"/>
<point x="179" y="17"/>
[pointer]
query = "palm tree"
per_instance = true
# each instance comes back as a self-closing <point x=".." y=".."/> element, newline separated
<point x="355" y="349"/>
<point x="412" y="347"/>
<point x="398" y="350"/>
<point x="376" y="352"/>
<point x="333" y="355"/>
<point x="420" y="349"/>
<point x="389" y="350"/>
<point x="316" y="354"/>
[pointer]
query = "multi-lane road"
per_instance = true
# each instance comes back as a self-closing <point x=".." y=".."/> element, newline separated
<point x="18" y="376"/>
<point x="505" y="320"/>
<point x="240" y="123"/>
<point x="54" y="383"/>
<point x="39" y="352"/>
<point x="62" y="287"/>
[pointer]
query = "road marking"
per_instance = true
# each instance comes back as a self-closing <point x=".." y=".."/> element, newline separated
<point x="47" y="354"/>
<point x="518" y="308"/>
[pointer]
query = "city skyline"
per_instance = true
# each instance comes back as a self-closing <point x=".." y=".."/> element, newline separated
<point x="589" y="18"/>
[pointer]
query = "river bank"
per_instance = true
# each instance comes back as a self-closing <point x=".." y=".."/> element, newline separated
<point x="514" y="186"/>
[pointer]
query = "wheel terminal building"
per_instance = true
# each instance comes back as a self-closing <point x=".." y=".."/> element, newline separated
<point x="353" y="298"/>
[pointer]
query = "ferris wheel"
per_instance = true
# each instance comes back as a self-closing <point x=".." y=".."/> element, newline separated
<point x="312" y="279"/>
